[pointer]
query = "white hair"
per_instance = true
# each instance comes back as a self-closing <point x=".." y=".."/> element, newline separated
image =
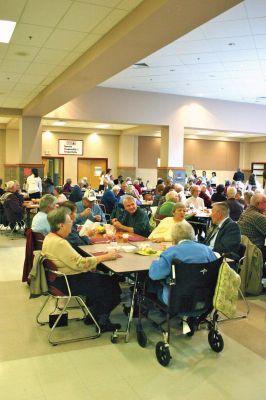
<point x="10" y="185"/>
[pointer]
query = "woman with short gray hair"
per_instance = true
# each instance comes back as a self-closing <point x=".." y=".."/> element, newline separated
<point x="163" y="232"/>
<point x="40" y="223"/>
<point x="102" y="292"/>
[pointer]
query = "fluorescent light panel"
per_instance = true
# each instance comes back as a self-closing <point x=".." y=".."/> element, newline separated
<point x="6" y="30"/>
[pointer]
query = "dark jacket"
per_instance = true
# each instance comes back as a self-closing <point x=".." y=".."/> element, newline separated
<point x="12" y="208"/>
<point x="76" y="194"/>
<point x="228" y="238"/>
<point x="75" y="240"/>
<point x="109" y="200"/>
<point x="235" y="209"/>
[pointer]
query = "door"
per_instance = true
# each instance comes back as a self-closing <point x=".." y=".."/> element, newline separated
<point x="92" y="169"/>
<point x="54" y="168"/>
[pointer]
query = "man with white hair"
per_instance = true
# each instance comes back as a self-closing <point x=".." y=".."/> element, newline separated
<point x="235" y="208"/>
<point x="132" y="219"/>
<point x="13" y="210"/>
<point x="252" y="222"/>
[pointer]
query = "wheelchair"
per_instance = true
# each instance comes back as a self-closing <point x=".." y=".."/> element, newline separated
<point x="191" y="291"/>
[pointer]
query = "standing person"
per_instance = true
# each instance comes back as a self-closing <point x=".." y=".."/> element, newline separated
<point x="101" y="183"/>
<point x="1" y="190"/>
<point x="238" y="176"/>
<point x="252" y="184"/>
<point x="213" y="180"/>
<point x="34" y="185"/>
<point x="107" y="175"/>
<point x="204" y="177"/>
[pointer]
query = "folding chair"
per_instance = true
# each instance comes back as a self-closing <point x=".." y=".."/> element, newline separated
<point x="55" y="294"/>
<point x="191" y="291"/>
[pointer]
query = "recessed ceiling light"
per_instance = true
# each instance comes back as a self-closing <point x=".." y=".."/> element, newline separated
<point x="6" y="30"/>
<point x="59" y="123"/>
<point x="102" y="126"/>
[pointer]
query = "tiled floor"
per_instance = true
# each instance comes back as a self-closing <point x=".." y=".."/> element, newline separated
<point x="32" y="369"/>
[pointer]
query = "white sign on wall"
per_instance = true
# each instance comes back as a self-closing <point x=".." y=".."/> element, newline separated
<point x="68" y="147"/>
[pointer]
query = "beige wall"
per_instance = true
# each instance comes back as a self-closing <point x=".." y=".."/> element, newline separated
<point x="100" y="146"/>
<point x="12" y="149"/>
<point x="2" y="152"/>
<point x="148" y="151"/>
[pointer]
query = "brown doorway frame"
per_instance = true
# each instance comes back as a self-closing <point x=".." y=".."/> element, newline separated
<point x="61" y="158"/>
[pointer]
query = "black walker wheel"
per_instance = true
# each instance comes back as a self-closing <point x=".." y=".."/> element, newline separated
<point x="141" y="337"/>
<point x="215" y="341"/>
<point x="163" y="353"/>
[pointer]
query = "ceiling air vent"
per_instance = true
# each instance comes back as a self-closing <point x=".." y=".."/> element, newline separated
<point x="140" y="65"/>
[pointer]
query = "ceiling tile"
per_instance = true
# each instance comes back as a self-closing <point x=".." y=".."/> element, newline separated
<point x="38" y="34"/>
<point x="109" y="22"/>
<point x="50" y="56"/>
<point x="69" y="59"/>
<point x="14" y="66"/>
<point x="45" y="13"/>
<point x="260" y="41"/>
<point x="232" y="43"/>
<point x="255" y="8"/>
<point x="83" y="17"/>
<point x="3" y="50"/>
<point x="236" y="12"/>
<point x="258" y="25"/>
<point x="195" y="46"/>
<point x="64" y="39"/>
<point x="31" y="78"/>
<point x="198" y="58"/>
<point x="240" y="55"/>
<point x="40" y="68"/>
<point x="10" y="10"/>
<point x="18" y="52"/>
<point x="86" y="43"/>
<point x="226" y="29"/>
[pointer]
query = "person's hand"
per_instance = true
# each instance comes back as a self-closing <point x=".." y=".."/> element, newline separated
<point x="87" y="211"/>
<point x="91" y="232"/>
<point x="112" y="255"/>
<point x="158" y="240"/>
<point x="114" y="220"/>
<point x="118" y="225"/>
<point x="97" y="218"/>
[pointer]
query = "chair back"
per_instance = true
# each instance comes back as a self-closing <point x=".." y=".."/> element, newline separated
<point x="51" y="275"/>
<point x="193" y="286"/>
<point x="158" y="218"/>
<point x="148" y="197"/>
<point x="37" y="239"/>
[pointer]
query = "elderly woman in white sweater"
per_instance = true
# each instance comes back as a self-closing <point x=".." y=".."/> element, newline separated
<point x="163" y="232"/>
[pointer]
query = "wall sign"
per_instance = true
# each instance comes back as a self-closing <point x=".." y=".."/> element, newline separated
<point x="70" y="147"/>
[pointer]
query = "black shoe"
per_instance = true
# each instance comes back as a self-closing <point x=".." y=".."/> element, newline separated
<point x="88" y="320"/>
<point x="109" y="327"/>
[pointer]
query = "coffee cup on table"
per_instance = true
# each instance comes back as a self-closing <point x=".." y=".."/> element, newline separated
<point x="125" y="237"/>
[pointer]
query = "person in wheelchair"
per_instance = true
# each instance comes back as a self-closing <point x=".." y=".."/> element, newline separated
<point x="184" y="249"/>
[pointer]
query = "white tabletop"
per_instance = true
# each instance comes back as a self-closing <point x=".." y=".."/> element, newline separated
<point x="129" y="262"/>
